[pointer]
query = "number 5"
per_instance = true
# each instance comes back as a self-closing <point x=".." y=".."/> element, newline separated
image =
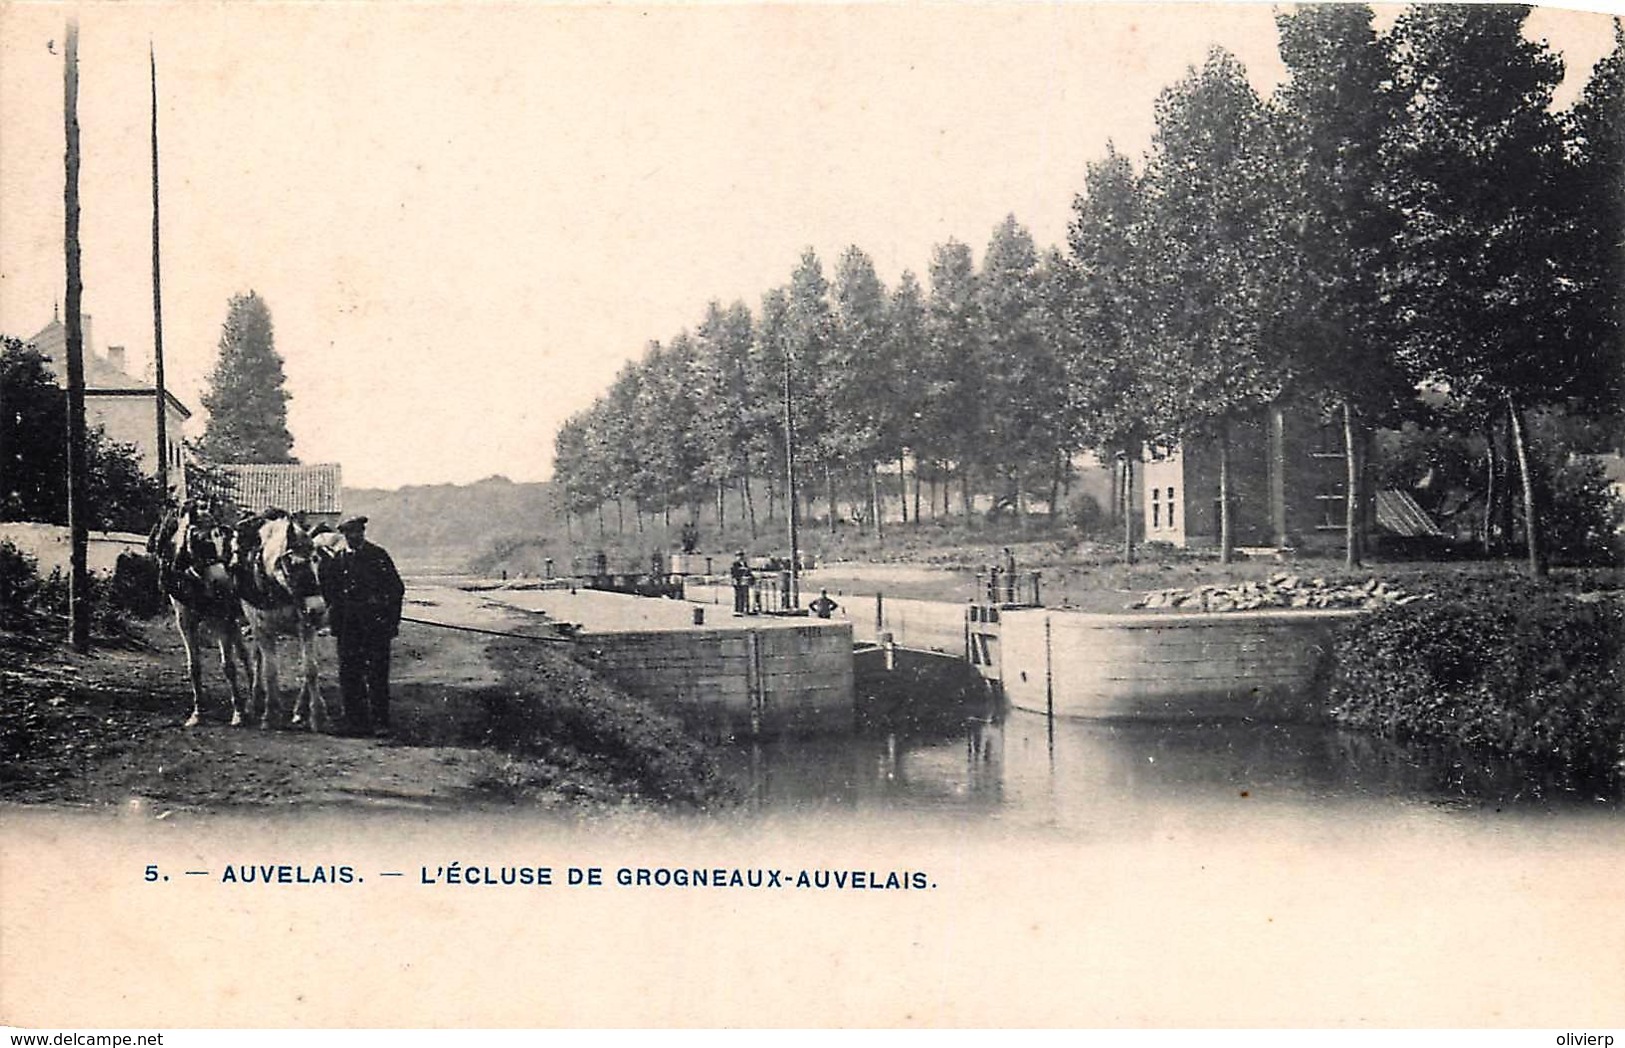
<point x="152" y="871"/>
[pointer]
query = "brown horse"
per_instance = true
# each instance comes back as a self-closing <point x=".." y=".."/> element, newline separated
<point x="194" y="555"/>
<point x="276" y="579"/>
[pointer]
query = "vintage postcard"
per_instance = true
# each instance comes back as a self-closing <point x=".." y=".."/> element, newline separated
<point x="811" y="515"/>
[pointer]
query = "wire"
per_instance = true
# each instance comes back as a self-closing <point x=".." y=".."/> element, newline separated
<point x="488" y="633"/>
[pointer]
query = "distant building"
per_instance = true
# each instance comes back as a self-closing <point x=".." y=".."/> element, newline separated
<point x="315" y="490"/>
<point x="1612" y="465"/>
<point x="1288" y="487"/>
<point x="118" y="402"/>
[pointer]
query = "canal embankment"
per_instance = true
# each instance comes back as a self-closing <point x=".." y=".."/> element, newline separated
<point x="490" y="711"/>
<point x="1274" y="648"/>
<point x="1066" y="662"/>
<point x="725" y="675"/>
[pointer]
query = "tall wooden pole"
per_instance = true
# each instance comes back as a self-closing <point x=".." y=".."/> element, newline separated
<point x="1531" y="523"/>
<point x="790" y="485"/>
<point x="162" y="429"/>
<point x="78" y="509"/>
<point x="1353" y="551"/>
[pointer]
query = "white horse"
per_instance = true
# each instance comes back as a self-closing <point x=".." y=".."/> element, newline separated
<point x="276" y="575"/>
<point x="194" y="554"/>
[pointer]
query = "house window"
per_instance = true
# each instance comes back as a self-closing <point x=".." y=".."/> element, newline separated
<point x="1331" y="509"/>
<point x="1328" y="441"/>
<point x="1156" y="510"/>
<point x="1170" y="507"/>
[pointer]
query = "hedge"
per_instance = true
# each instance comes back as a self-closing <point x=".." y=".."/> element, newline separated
<point x="1515" y="669"/>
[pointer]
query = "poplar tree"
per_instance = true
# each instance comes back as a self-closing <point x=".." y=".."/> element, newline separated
<point x="908" y="381"/>
<point x="1597" y="134"/>
<point x="767" y="391"/>
<point x="723" y="354"/>
<point x="853" y="383"/>
<point x="246" y="401"/>
<point x="1109" y="369"/>
<point x="954" y="418"/>
<point x="1211" y="264"/>
<point x="1333" y="114"/>
<point x="809" y="328"/>
<point x="1489" y="286"/>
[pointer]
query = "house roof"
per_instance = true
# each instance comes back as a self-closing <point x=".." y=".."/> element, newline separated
<point x="101" y="375"/>
<point x="314" y="488"/>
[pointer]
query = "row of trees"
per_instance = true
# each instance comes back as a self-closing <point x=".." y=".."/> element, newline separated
<point x="1407" y="208"/>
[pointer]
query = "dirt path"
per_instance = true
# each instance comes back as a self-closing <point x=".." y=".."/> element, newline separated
<point x="105" y="729"/>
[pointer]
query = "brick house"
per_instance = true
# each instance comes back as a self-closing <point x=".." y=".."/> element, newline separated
<point x="1287" y="480"/>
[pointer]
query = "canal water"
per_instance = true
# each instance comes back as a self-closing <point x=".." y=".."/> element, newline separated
<point x="1023" y="769"/>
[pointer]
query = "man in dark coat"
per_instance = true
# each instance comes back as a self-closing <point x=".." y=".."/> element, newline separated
<point x="823" y="607"/>
<point x="743" y="579"/>
<point x="364" y="594"/>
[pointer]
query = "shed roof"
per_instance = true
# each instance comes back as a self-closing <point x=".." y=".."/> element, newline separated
<point x="313" y="488"/>
<point x="1399" y="514"/>
<point x="1612" y="463"/>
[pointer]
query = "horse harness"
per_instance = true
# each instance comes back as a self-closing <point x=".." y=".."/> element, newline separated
<point x="187" y="546"/>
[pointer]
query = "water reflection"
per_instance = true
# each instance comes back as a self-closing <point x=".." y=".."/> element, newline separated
<point x="1080" y="773"/>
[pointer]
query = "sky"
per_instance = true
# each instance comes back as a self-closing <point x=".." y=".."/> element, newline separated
<point x="466" y="218"/>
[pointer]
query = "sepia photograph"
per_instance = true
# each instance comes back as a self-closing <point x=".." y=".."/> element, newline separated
<point x="812" y="515"/>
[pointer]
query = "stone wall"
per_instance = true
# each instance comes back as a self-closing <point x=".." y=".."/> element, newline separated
<point x="929" y="625"/>
<point x="1175" y="665"/>
<point x="738" y="681"/>
<point x="51" y="546"/>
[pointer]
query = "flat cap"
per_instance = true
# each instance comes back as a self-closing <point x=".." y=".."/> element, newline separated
<point x="352" y="523"/>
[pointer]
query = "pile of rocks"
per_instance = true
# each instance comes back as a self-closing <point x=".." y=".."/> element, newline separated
<point x="1278" y="591"/>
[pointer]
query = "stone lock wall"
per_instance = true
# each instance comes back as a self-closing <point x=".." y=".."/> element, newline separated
<point x="738" y="681"/>
<point x="1177" y="665"/>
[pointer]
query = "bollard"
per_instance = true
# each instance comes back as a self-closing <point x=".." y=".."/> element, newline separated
<point x="699" y="616"/>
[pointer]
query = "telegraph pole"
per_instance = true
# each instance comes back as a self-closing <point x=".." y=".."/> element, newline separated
<point x="158" y="298"/>
<point x="78" y="509"/>
<point x="790" y="485"/>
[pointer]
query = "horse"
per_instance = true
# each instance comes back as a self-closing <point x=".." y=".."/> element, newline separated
<point x="194" y="555"/>
<point x="276" y="571"/>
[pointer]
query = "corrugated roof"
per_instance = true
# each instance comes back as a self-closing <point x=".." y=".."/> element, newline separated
<point x="314" y="488"/>
<point x="1398" y="514"/>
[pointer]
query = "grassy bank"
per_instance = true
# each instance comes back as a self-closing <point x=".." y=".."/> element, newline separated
<point x="475" y="730"/>
<point x="559" y="727"/>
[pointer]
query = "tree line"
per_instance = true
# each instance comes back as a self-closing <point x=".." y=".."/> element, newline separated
<point x="1407" y="210"/>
